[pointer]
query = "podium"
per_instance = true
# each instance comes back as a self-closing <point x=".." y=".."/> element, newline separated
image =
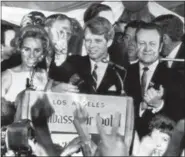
<point x="64" y="104"/>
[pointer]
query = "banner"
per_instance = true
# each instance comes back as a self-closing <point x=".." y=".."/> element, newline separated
<point x="65" y="104"/>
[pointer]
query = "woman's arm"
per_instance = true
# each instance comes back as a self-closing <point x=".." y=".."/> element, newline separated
<point x="6" y="82"/>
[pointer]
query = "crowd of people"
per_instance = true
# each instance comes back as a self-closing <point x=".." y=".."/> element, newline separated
<point x="56" y="54"/>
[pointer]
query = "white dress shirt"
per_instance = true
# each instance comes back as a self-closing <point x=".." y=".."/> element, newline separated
<point x="173" y="54"/>
<point x="150" y="72"/>
<point x="133" y="62"/>
<point x="101" y="69"/>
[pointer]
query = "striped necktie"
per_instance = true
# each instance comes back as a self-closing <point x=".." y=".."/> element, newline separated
<point x="143" y="85"/>
<point x="94" y="76"/>
<point x="144" y="80"/>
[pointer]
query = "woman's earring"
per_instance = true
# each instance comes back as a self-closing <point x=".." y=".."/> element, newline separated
<point x="41" y="58"/>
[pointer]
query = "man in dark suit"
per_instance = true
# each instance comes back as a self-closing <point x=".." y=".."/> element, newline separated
<point x="59" y="29"/>
<point x="95" y="73"/>
<point x="153" y="86"/>
<point x="174" y="45"/>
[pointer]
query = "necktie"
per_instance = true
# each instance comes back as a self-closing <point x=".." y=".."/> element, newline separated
<point x="144" y="80"/>
<point x="94" y="76"/>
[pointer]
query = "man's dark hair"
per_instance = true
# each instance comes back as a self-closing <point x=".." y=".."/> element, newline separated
<point x="54" y="17"/>
<point x="37" y="13"/>
<point x="150" y="26"/>
<point x="171" y="25"/>
<point x="133" y="24"/>
<point x="94" y="9"/>
<point x="100" y="26"/>
<point x="37" y="18"/>
<point x="162" y="123"/>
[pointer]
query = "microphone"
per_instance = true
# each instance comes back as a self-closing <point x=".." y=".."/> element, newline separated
<point x="104" y="60"/>
<point x="172" y="59"/>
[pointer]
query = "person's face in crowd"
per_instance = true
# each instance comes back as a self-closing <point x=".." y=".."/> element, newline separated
<point x="149" y="46"/>
<point x="167" y="46"/>
<point x="130" y="43"/>
<point x="31" y="51"/>
<point x="7" y="49"/>
<point x="9" y="36"/>
<point x="108" y="14"/>
<point x="161" y="141"/>
<point x="120" y="27"/>
<point x="96" y="45"/>
<point x="60" y="34"/>
<point x="31" y="19"/>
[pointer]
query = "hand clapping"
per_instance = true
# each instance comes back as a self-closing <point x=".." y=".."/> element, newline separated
<point x="113" y="144"/>
<point x="153" y="97"/>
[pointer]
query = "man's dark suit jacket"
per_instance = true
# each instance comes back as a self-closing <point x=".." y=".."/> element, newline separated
<point x="173" y="85"/>
<point x="117" y="51"/>
<point x="81" y="66"/>
<point x="180" y="66"/>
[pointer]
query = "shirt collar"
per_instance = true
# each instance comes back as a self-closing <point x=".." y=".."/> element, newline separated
<point x="99" y="64"/>
<point x="133" y="62"/>
<point x="151" y="67"/>
<point x="174" y="51"/>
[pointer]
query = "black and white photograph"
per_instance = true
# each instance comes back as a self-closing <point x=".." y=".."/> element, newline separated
<point x="92" y="78"/>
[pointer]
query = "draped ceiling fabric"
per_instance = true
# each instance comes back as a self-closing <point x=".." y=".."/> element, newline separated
<point x="67" y="5"/>
<point x="50" y="6"/>
<point x="13" y="11"/>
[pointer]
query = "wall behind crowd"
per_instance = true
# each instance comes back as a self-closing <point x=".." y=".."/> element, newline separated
<point x="14" y="11"/>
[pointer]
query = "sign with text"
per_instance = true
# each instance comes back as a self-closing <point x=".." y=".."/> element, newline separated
<point x="65" y="104"/>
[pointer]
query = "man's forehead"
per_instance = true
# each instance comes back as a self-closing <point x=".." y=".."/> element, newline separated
<point x="130" y="30"/>
<point x="157" y="132"/>
<point x="148" y="31"/>
<point x="62" y="24"/>
<point x="148" y="34"/>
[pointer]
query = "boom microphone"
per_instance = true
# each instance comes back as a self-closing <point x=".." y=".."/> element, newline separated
<point x="104" y="60"/>
<point x="172" y="59"/>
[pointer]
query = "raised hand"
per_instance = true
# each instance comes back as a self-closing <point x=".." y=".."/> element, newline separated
<point x="40" y="80"/>
<point x="72" y="147"/>
<point x="113" y="144"/>
<point x="60" y="41"/>
<point x="153" y="97"/>
<point x="26" y="20"/>
<point x="80" y="118"/>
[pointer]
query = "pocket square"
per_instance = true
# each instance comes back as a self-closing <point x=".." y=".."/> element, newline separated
<point x="112" y="88"/>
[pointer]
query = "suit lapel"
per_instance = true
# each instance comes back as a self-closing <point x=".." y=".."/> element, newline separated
<point x="159" y="73"/>
<point x="137" y="77"/>
<point x="180" y="54"/>
<point x="107" y="80"/>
